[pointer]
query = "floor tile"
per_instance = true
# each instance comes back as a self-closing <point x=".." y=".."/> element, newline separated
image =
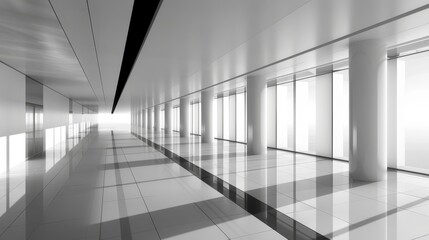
<point x="240" y="225"/>
<point x="272" y="235"/>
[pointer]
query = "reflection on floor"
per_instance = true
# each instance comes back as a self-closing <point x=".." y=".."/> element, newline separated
<point x="111" y="185"/>
<point x="315" y="191"/>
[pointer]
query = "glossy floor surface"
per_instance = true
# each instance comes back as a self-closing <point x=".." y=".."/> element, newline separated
<point x="111" y="185"/>
<point x="315" y="191"/>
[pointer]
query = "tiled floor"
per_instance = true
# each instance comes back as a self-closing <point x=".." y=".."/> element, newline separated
<point x="315" y="191"/>
<point x="111" y="185"/>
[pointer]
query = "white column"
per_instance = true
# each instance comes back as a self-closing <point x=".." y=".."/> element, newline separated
<point x="256" y="115"/>
<point x="142" y="120"/>
<point x="157" y="118"/>
<point x="207" y="123"/>
<point x="185" y="129"/>
<point x="168" y="114"/>
<point x="132" y="120"/>
<point x="392" y="106"/>
<point x="149" y="120"/>
<point x="138" y="118"/>
<point x="368" y="160"/>
<point x="144" y="123"/>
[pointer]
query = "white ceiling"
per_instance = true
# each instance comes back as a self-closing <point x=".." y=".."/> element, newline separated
<point x="73" y="46"/>
<point x="76" y="46"/>
<point x="194" y="44"/>
<point x="33" y="42"/>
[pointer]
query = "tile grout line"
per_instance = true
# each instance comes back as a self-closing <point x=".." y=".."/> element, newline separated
<point x="394" y="209"/>
<point x="195" y="204"/>
<point x="266" y="213"/>
<point x="102" y="194"/>
<point x="136" y="183"/>
<point x="124" y="222"/>
<point x="211" y="220"/>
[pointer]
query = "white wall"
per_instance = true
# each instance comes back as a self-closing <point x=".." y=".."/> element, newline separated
<point x="85" y="115"/>
<point x="77" y="113"/>
<point x="12" y="101"/>
<point x="55" y="109"/>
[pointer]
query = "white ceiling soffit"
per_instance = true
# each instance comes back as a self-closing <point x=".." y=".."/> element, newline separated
<point x="110" y="20"/>
<point x="197" y="43"/>
<point x="97" y="30"/>
<point x="74" y="18"/>
<point x="33" y="42"/>
<point x="188" y="35"/>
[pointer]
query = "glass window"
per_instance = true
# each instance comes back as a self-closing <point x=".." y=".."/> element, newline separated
<point x="232" y="117"/>
<point x="226" y="117"/>
<point x="314" y="115"/>
<point x="195" y="118"/>
<point x="412" y="112"/>
<point x="340" y="113"/>
<point x="16" y="144"/>
<point x="176" y="118"/>
<point x="193" y="127"/>
<point x="162" y="119"/>
<point x="305" y="115"/>
<point x="241" y="116"/>
<point x="3" y="154"/>
<point x="285" y="116"/>
<point x="271" y="117"/>
<point x="219" y="103"/>
<point x="214" y="117"/>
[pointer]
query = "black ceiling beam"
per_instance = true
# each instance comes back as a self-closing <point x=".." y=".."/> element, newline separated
<point x="142" y="17"/>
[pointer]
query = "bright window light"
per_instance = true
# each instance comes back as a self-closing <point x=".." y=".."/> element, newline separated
<point x="16" y="152"/>
<point x="117" y="121"/>
<point x="3" y="154"/>
<point x="226" y="117"/>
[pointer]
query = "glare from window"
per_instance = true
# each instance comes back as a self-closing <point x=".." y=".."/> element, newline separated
<point x="412" y="113"/>
<point x="240" y="117"/>
<point x="117" y="121"/>
<point x="226" y="117"/>
<point x="340" y="113"/>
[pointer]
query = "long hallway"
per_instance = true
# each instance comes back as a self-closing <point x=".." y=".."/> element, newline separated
<point x="214" y="119"/>
<point x="111" y="185"/>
